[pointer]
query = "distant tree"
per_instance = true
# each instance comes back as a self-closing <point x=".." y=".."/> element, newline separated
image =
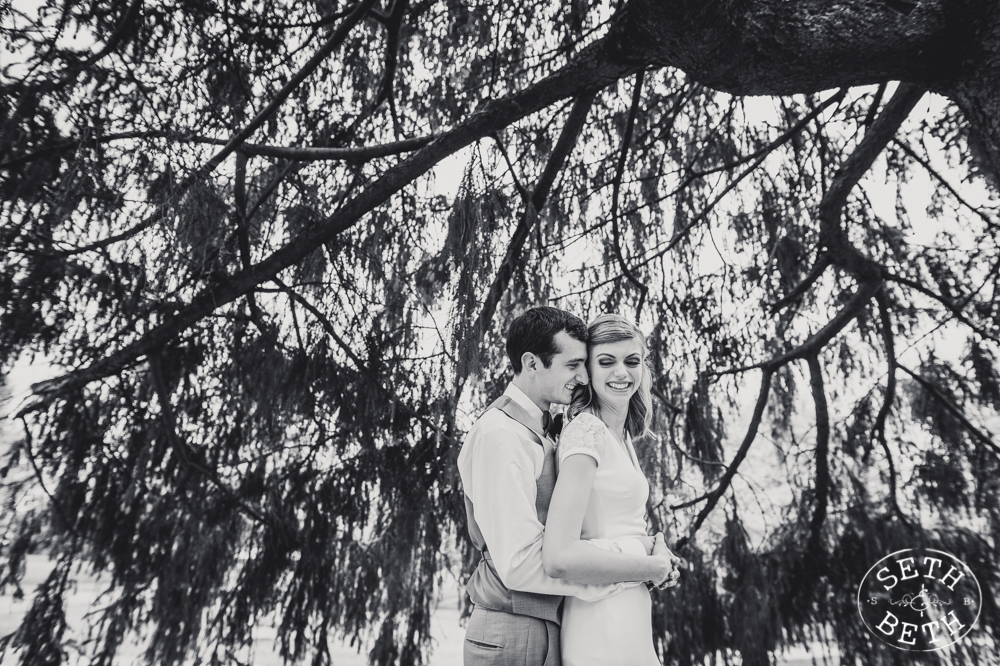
<point x="229" y="225"/>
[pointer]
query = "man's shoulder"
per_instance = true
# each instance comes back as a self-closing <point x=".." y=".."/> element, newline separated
<point x="493" y="432"/>
<point x="493" y="420"/>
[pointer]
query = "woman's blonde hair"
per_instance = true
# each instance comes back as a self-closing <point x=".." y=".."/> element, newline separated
<point x="609" y="328"/>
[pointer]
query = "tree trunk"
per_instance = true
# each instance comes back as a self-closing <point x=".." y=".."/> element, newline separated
<point x="977" y="90"/>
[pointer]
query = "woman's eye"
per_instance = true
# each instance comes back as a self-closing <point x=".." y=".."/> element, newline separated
<point x="607" y="364"/>
<point x="632" y="363"/>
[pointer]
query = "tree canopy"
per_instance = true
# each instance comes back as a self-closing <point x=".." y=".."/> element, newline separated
<point x="273" y="249"/>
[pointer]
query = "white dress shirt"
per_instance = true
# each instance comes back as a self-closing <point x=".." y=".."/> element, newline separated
<point x="500" y="463"/>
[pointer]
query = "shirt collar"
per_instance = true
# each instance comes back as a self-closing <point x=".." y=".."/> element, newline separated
<point x="518" y="396"/>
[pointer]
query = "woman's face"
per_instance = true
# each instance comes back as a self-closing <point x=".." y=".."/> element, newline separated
<point x="615" y="372"/>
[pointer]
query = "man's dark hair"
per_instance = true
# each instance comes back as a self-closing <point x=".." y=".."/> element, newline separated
<point x="535" y="332"/>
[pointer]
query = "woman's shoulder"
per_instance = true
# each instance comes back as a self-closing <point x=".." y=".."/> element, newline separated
<point x="584" y="434"/>
<point x="584" y="422"/>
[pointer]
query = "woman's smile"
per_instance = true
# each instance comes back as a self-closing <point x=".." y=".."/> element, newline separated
<point x="615" y="370"/>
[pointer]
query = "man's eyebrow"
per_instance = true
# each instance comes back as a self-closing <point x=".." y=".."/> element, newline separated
<point x="576" y="360"/>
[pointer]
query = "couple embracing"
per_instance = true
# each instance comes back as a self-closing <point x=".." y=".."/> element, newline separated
<point x="565" y="558"/>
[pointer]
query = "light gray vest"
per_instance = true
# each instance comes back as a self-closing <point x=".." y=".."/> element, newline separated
<point x="485" y="587"/>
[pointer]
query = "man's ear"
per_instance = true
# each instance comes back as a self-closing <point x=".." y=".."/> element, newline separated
<point x="529" y="362"/>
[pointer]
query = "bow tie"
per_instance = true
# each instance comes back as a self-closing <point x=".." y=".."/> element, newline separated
<point x="552" y="426"/>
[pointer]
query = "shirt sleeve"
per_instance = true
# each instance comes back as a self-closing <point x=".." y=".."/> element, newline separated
<point x="498" y="473"/>
<point x="584" y="434"/>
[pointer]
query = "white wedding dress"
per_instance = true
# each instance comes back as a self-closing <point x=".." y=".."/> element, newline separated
<point x="617" y="630"/>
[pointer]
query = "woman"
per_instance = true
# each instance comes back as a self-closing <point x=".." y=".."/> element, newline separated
<point x="601" y="493"/>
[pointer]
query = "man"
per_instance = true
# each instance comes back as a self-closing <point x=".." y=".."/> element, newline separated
<point x="508" y="472"/>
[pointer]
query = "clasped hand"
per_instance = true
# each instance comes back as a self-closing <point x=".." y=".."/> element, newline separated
<point x="657" y="547"/>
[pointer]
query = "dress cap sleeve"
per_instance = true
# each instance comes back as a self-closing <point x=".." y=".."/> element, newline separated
<point x="584" y="434"/>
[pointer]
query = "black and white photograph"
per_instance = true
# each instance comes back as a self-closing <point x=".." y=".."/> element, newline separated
<point x="500" y="333"/>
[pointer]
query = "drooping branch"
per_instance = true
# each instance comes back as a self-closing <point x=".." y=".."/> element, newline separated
<point x="539" y="195"/>
<point x="714" y="496"/>
<point x="186" y="457"/>
<point x="237" y="140"/>
<point x="873" y="108"/>
<point x="990" y="222"/>
<point x="814" y="547"/>
<point x="953" y="409"/>
<point x="878" y="431"/>
<point x="362" y="367"/>
<point x="353" y="154"/>
<point x="756" y="158"/>
<point x="591" y="71"/>
<point x="888" y="343"/>
<point x="242" y="233"/>
<point x="766" y="150"/>
<point x="30" y="90"/>
<point x="616" y="240"/>
<point x="336" y="39"/>
<point x="956" y="309"/>
<point x="393" y="23"/>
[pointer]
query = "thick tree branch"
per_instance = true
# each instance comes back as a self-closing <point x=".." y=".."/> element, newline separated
<point x="590" y="72"/>
<point x="814" y="343"/>
<point x="832" y="235"/>
<point x="734" y="47"/>
<point x="823" y="262"/>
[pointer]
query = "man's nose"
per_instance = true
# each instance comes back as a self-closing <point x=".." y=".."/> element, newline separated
<point x="582" y="376"/>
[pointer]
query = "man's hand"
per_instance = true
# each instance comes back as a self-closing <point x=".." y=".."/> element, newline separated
<point x="647" y="543"/>
<point x="673" y="574"/>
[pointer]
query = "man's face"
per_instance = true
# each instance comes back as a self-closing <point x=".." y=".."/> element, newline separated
<point x="567" y="370"/>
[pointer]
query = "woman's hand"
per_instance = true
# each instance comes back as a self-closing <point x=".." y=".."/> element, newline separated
<point x="673" y="574"/>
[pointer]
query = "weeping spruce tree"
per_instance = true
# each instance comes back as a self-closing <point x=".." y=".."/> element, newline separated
<point x="272" y="248"/>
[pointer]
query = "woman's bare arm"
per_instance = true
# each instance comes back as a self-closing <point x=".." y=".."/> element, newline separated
<point x="565" y="555"/>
